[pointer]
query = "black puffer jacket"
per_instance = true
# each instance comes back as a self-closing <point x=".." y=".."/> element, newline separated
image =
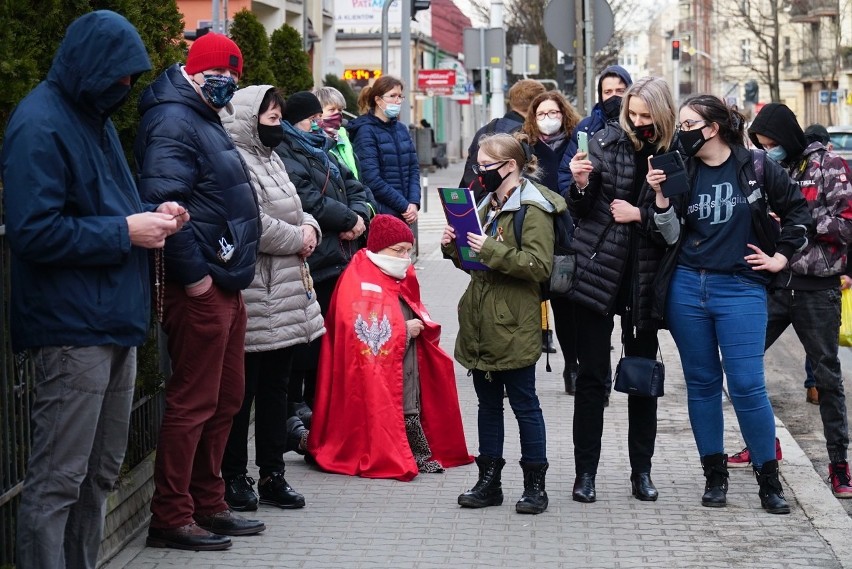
<point x="603" y="246"/>
<point x="184" y="154"/>
<point x="334" y="199"/>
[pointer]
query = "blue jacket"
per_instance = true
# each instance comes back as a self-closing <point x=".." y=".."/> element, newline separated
<point x="76" y="279"/>
<point x="388" y="162"/>
<point x="186" y="155"/>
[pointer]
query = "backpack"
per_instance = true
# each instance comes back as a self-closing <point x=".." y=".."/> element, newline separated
<point x="767" y="229"/>
<point x="564" y="260"/>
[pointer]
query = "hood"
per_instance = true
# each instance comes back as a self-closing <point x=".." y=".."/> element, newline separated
<point x="173" y="87"/>
<point x="368" y="118"/>
<point x="242" y="124"/>
<point x="617" y="70"/>
<point x="777" y="121"/>
<point x="99" y="48"/>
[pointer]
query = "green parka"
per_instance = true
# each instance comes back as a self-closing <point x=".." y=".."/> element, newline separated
<point x="499" y="313"/>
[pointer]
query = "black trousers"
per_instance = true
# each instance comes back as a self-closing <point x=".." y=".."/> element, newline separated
<point x="266" y="386"/>
<point x="566" y="331"/>
<point x="303" y="379"/>
<point x="594" y="332"/>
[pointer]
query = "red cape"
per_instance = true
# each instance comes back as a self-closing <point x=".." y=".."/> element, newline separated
<point x="357" y="426"/>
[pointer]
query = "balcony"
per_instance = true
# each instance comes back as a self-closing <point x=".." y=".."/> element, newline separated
<point x="808" y="11"/>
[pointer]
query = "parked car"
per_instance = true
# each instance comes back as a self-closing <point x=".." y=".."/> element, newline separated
<point x="841" y="138"/>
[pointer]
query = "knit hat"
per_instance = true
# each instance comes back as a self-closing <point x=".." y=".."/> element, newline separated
<point x="212" y="51"/>
<point x="300" y="106"/>
<point x="387" y="230"/>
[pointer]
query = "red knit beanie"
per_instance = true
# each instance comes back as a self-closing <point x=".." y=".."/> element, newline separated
<point x="212" y="51"/>
<point x="387" y="230"/>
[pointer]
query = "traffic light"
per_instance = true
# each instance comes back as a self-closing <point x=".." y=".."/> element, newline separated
<point x="676" y="50"/>
<point x="568" y="75"/>
<point x="417" y="5"/>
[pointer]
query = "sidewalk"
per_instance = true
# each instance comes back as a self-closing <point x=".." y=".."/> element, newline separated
<point x="358" y="523"/>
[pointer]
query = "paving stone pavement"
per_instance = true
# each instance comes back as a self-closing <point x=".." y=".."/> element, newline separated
<point x="357" y="523"/>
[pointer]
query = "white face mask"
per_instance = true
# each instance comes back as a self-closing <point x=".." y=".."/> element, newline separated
<point x="549" y="126"/>
<point x="390" y="265"/>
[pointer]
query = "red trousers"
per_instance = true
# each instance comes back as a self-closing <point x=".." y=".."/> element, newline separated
<point x="206" y="336"/>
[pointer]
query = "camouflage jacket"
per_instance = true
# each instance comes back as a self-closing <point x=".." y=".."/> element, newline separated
<point x="825" y="181"/>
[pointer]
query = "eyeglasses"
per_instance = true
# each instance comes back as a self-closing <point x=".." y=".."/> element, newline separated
<point x="390" y="97"/>
<point x="689" y="124"/>
<point x="549" y="114"/>
<point x="480" y="169"/>
<point x="400" y="251"/>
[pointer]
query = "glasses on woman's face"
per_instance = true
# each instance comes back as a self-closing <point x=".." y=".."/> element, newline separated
<point x="689" y="124"/>
<point x="400" y="251"/>
<point x="393" y="97"/>
<point x="480" y="169"/>
<point x="554" y="114"/>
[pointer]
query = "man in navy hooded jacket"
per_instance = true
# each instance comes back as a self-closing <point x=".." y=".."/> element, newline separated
<point x="80" y="300"/>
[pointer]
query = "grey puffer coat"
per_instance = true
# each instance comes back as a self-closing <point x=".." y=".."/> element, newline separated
<point x="280" y="311"/>
<point x="603" y="246"/>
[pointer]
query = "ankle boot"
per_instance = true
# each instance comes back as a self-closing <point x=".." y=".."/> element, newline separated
<point x="547" y="346"/>
<point x="534" y="499"/>
<point x="420" y="446"/>
<point x="716" y="487"/>
<point x="771" y="493"/>
<point x="570" y="377"/>
<point x="488" y="491"/>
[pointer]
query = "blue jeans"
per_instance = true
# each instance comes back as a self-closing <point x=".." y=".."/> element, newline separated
<point x="810" y="380"/>
<point x="520" y="389"/>
<point x="712" y="312"/>
<point x="80" y="418"/>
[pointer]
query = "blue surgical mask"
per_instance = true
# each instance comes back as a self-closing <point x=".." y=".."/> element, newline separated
<point x="315" y="127"/>
<point x="218" y="89"/>
<point x="777" y="154"/>
<point x="392" y="110"/>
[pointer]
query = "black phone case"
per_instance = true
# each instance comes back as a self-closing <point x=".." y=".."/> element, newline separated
<point x="672" y="164"/>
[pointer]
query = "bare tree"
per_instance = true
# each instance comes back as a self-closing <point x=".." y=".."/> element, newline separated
<point x="762" y="22"/>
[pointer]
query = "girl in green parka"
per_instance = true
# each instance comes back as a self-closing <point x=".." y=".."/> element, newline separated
<point x="499" y="338"/>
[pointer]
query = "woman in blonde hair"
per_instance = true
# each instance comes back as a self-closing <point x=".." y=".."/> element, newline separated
<point x="618" y="253"/>
<point x="499" y="339"/>
<point x="386" y="153"/>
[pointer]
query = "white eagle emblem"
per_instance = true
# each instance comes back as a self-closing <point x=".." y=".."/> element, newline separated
<point x="376" y="334"/>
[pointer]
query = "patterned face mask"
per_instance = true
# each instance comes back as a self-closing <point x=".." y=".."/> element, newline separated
<point x="218" y="89"/>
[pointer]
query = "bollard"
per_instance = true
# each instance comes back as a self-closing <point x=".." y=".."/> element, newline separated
<point x="424" y="192"/>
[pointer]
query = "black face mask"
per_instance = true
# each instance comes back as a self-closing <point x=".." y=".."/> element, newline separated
<point x="611" y="107"/>
<point x="645" y="133"/>
<point x="491" y="179"/>
<point x="113" y="98"/>
<point x="270" y="136"/>
<point x="691" y="141"/>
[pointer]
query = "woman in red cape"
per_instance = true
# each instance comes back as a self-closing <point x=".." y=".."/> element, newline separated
<point x="383" y="409"/>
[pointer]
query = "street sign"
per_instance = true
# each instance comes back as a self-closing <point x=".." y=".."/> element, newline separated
<point x="827" y="96"/>
<point x="495" y="46"/>
<point x="525" y="59"/>
<point x="436" y="81"/>
<point x="560" y="28"/>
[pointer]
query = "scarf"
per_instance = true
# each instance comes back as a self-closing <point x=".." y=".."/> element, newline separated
<point x="554" y="141"/>
<point x="316" y="144"/>
<point x="395" y="267"/>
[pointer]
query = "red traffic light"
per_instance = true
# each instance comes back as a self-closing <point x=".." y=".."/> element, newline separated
<point x="676" y="49"/>
<point x="676" y="44"/>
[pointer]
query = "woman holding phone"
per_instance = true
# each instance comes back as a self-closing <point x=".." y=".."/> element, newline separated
<point x="618" y="252"/>
<point x="724" y="251"/>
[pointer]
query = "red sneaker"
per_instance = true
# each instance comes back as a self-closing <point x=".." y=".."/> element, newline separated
<point x="838" y="476"/>
<point x="743" y="458"/>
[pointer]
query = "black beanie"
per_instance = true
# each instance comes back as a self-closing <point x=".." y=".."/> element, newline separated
<point x="300" y="106"/>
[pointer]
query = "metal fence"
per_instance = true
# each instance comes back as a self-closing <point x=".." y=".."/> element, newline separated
<point x="15" y="402"/>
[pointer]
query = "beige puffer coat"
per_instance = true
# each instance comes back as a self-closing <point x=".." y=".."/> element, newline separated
<point x="280" y="311"/>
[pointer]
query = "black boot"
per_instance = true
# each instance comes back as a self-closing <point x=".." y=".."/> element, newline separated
<point x="570" y="377"/>
<point x="584" y="488"/>
<point x="420" y="446"/>
<point x="547" y="346"/>
<point x="487" y="491"/>
<point x="534" y="500"/>
<point x="771" y="494"/>
<point x="643" y="487"/>
<point x="716" y="487"/>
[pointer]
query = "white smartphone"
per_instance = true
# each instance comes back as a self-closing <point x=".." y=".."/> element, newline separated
<point x="583" y="142"/>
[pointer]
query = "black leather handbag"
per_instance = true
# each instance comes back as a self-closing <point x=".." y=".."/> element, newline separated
<point x="640" y="376"/>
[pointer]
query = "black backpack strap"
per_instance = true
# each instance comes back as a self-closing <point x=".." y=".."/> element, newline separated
<point x="491" y="127"/>
<point x="518" y="223"/>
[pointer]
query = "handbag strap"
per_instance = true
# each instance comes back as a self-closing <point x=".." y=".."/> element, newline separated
<point x="659" y="351"/>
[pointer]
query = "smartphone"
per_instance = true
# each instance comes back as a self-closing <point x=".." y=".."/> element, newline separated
<point x="672" y="164"/>
<point x="583" y="142"/>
